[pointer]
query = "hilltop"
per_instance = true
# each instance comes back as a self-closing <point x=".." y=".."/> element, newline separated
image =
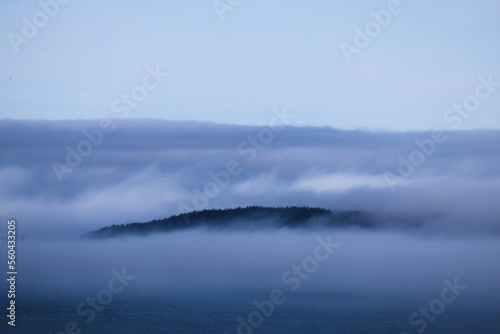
<point x="251" y="217"/>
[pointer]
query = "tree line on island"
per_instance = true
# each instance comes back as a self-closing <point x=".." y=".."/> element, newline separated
<point x="250" y="217"/>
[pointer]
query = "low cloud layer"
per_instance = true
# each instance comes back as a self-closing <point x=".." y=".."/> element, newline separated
<point x="148" y="169"/>
<point x="151" y="169"/>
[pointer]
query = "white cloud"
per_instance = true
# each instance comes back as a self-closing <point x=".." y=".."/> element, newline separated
<point x="339" y="182"/>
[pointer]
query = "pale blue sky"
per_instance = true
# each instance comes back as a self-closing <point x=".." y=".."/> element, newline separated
<point x="261" y="56"/>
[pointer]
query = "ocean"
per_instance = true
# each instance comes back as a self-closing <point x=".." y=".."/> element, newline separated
<point x="300" y="314"/>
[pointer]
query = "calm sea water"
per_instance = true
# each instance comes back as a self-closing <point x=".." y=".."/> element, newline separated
<point x="194" y="315"/>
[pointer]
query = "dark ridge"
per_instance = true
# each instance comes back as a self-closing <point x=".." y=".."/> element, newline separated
<point x="241" y="218"/>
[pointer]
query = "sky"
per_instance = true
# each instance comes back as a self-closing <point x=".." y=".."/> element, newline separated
<point x="235" y="64"/>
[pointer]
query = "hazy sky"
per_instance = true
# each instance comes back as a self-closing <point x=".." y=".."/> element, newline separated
<point x="260" y="55"/>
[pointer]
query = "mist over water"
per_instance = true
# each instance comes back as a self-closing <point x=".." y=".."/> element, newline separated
<point x="368" y="268"/>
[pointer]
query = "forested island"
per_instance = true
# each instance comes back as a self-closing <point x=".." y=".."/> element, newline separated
<point x="251" y="217"/>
